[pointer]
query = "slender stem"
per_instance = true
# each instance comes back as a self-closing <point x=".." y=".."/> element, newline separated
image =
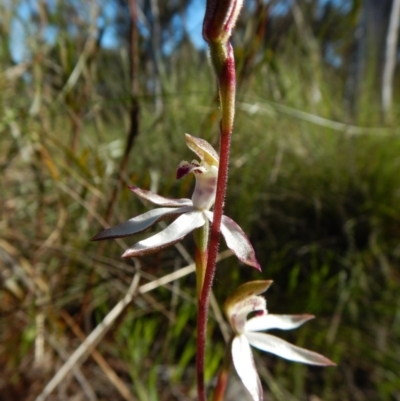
<point x="223" y="375"/>
<point x="224" y="64"/>
<point x="200" y="355"/>
<point x="204" y="299"/>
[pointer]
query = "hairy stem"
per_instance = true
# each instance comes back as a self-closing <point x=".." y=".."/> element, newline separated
<point x="224" y="64"/>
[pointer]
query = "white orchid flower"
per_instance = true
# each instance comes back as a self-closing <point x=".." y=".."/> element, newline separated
<point x="192" y="213"/>
<point x="245" y="300"/>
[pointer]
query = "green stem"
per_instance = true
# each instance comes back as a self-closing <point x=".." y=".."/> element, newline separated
<point x="201" y="254"/>
<point x="223" y="375"/>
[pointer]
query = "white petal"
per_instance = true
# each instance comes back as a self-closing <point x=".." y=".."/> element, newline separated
<point x="237" y="241"/>
<point x="182" y="226"/>
<point x="283" y="322"/>
<point x="140" y="223"/>
<point x="243" y="361"/>
<point x="158" y="199"/>
<point x="277" y="346"/>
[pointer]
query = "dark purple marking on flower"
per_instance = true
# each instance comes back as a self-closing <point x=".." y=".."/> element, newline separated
<point x="186" y="168"/>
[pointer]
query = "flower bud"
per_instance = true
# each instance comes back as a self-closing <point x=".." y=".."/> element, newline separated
<point x="220" y="19"/>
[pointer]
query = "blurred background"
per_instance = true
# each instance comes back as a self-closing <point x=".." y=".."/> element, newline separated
<point x="97" y="95"/>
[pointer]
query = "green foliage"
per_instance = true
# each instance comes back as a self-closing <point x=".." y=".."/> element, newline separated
<point x="320" y="204"/>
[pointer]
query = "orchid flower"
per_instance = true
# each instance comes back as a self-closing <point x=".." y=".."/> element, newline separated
<point x="193" y="213"/>
<point x="245" y="300"/>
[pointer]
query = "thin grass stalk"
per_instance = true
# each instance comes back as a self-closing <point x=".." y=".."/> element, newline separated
<point x="135" y="109"/>
<point x="223" y="374"/>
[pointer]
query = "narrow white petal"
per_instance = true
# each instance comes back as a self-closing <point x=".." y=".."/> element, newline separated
<point x="182" y="226"/>
<point x="158" y="199"/>
<point x="277" y="346"/>
<point x="282" y="322"/>
<point x="237" y="241"/>
<point x="243" y="361"/>
<point x="140" y="223"/>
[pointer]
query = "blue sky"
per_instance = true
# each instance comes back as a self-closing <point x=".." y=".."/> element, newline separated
<point x="194" y="19"/>
<point x="22" y="28"/>
<point x="195" y="15"/>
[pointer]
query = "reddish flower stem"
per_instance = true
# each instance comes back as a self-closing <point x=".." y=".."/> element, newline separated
<point x="204" y="299"/>
<point x="223" y="60"/>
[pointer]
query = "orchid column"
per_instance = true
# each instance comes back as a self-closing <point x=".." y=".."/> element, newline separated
<point x="219" y="20"/>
